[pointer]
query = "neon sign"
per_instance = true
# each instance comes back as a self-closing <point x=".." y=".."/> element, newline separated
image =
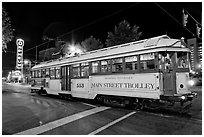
<point x="19" y="60"/>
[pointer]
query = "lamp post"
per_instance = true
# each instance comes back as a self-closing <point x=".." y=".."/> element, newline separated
<point x="27" y="67"/>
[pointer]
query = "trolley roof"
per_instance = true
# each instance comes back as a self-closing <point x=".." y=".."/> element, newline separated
<point x="155" y="44"/>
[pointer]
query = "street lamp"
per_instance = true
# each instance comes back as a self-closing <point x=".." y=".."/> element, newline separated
<point x="72" y="48"/>
<point x="199" y="66"/>
<point x="27" y="69"/>
<point x="26" y="61"/>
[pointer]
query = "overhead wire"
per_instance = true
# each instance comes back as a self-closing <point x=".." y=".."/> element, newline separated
<point x="193" y="17"/>
<point x="83" y="26"/>
<point x="14" y="52"/>
<point x="99" y="20"/>
<point x="176" y="20"/>
<point x="93" y="22"/>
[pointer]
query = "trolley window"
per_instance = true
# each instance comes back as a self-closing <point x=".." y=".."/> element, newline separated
<point x="52" y="73"/>
<point x="47" y="72"/>
<point x="95" y="67"/>
<point x="105" y="66"/>
<point x="147" y="61"/>
<point x="131" y="63"/>
<point x="43" y="73"/>
<point x="85" y="69"/>
<point x="117" y="65"/>
<point x="182" y="60"/>
<point x="33" y="74"/>
<point x="76" y="70"/>
<point x="165" y="60"/>
<point x="57" y="73"/>
<point x="39" y="73"/>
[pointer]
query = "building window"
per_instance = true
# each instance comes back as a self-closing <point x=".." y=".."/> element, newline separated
<point x="147" y="61"/>
<point x="105" y="66"/>
<point x="95" y="67"/>
<point x="39" y="73"/>
<point x="76" y="70"/>
<point x="85" y="69"/>
<point x="57" y="73"/>
<point x="131" y="63"/>
<point x="117" y="65"/>
<point x="52" y="73"/>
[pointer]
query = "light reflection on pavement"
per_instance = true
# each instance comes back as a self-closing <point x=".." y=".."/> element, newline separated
<point x="31" y="111"/>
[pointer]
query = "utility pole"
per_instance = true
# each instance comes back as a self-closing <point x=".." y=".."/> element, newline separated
<point x="36" y="55"/>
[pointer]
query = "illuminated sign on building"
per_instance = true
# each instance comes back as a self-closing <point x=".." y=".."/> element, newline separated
<point x="196" y="53"/>
<point x="19" y="60"/>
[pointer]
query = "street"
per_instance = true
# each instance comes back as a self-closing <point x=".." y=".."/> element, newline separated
<point x="28" y="113"/>
<point x="67" y="72"/>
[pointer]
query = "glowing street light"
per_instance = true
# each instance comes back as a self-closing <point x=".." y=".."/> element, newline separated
<point x="199" y="66"/>
<point x="26" y="61"/>
<point x="72" y="48"/>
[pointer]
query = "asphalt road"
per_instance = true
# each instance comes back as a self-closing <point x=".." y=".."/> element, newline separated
<point x="26" y="113"/>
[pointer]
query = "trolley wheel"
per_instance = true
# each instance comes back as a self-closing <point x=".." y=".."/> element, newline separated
<point x="39" y="92"/>
<point x="45" y="92"/>
<point x="42" y="92"/>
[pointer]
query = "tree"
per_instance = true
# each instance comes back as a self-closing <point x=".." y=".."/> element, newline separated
<point x="91" y="43"/>
<point x="45" y="55"/>
<point x="53" y="31"/>
<point x="124" y="33"/>
<point x="7" y="31"/>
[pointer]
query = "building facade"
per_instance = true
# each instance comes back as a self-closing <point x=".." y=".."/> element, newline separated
<point x="196" y="54"/>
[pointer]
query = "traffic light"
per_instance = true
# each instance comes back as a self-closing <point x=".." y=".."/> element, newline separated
<point x="185" y="17"/>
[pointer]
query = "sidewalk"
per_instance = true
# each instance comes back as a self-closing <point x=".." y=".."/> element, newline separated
<point x="19" y="84"/>
<point x="196" y="88"/>
<point x="18" y="87"/>
<point x="25" y="85"/>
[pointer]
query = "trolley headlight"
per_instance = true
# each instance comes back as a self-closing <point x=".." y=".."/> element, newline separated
<point x="192" y="72"/>
<point x="183" y="97"/>
<point x="191" y="82"/>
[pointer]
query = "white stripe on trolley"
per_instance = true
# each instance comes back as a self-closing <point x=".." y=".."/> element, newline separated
<point x="110" y="124"/>
<point x="61" y="122"/>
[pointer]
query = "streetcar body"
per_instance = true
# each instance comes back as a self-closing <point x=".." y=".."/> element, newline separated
<point x="151" y="69"/>
<point x="129" y="85"/>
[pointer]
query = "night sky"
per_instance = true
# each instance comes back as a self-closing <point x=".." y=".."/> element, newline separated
<point x="32" y="20"/>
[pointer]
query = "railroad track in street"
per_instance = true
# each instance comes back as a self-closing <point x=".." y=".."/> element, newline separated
<point x="51" y="115"/>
